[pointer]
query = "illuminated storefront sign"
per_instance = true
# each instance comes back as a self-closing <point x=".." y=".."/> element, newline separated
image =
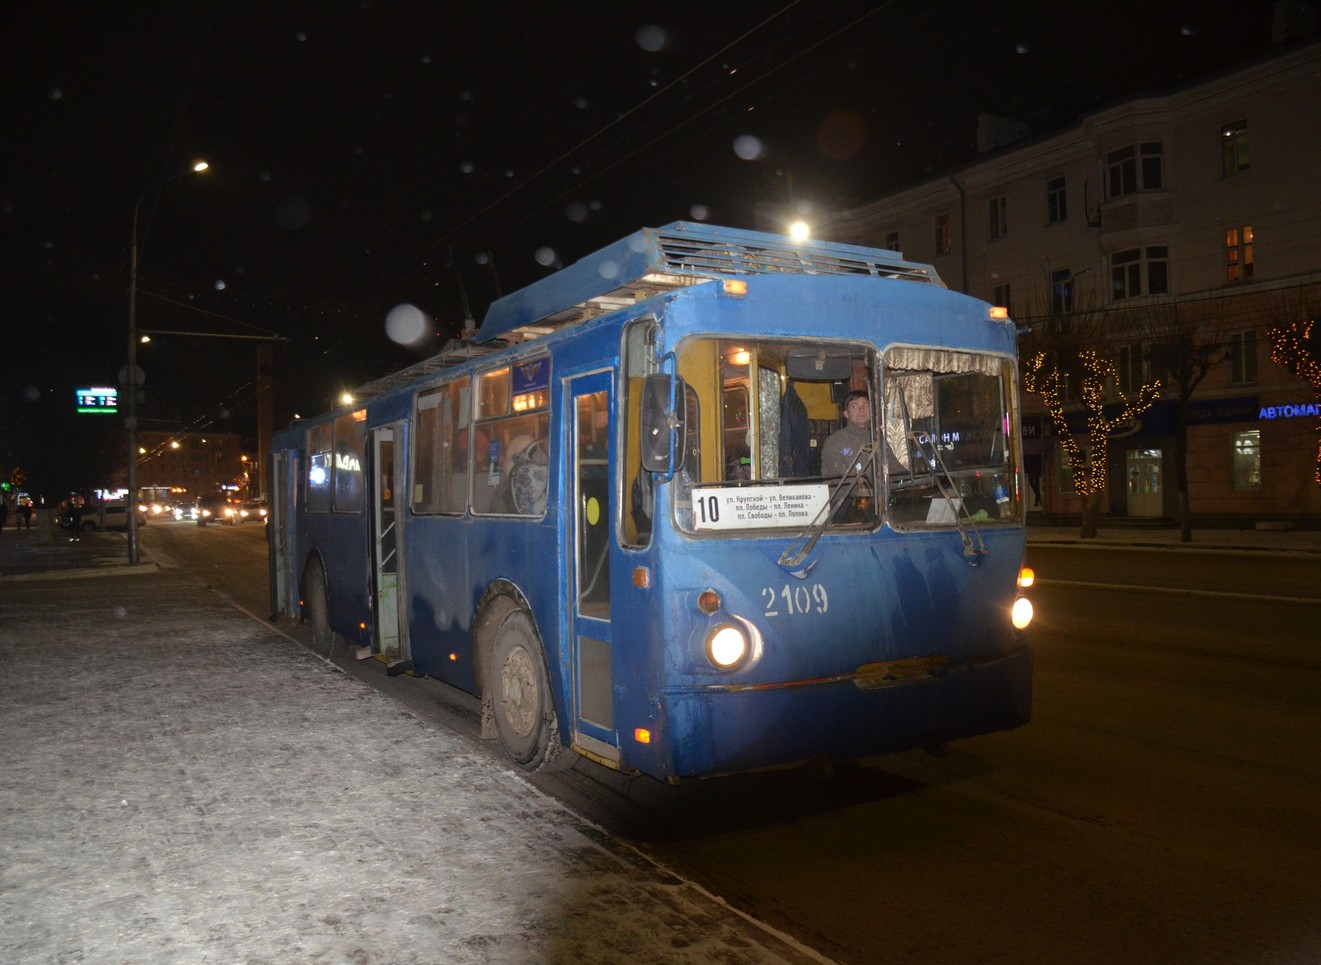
<point x="1305" y="410"/>
<point x="98" y="399"/>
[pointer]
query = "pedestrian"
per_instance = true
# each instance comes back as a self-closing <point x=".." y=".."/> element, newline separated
<point x="75" y="520"/>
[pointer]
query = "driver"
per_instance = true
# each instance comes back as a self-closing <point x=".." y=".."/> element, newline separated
<point x="843" y="449"/>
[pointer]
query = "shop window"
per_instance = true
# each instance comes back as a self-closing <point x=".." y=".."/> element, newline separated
<point x="1247" y="460"/>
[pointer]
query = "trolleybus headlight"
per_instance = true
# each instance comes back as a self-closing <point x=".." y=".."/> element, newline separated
<point x="1021" y="614"/>
<point x="726" y="645"/>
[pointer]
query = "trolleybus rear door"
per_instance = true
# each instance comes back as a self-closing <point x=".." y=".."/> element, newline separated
<point x="589" y="437"/>
<point x="391" y="634"/>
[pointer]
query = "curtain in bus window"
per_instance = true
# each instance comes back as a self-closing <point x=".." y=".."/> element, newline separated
<point x="941" y="360"/>
<point x="319" y="463"/>
<point x="454" y="432"/>
<point x="909" y="407"/>
<point x="768" y="423"/>
<point x="440" y="459"/>
<point x="429" y="450"/>
<point x="350" y="456"/>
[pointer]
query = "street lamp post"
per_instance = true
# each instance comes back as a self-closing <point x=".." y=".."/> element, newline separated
<point x="131" y="380"/>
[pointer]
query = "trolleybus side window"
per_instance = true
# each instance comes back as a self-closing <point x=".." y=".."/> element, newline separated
<point x="511" y="472"/>
<point x="350" y="453"/>
<point x="320" y="458"/>
<point x="441" y="457"/>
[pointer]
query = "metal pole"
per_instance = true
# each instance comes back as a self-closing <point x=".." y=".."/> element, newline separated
<point x="131" y="420"/>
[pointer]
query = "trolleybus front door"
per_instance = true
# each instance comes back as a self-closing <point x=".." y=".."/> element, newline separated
<point x="589" y="436"/>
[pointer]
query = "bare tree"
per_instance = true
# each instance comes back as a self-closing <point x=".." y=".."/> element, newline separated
<point x="1089" y="470"/>
<point x="1182" y="344"/>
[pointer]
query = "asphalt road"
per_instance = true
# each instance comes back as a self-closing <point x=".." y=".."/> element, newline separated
<point x="1162" y="805"/>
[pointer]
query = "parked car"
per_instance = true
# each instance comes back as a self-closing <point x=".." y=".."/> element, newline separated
<point x="109" y="516"/>
<point x="216" y="508"/>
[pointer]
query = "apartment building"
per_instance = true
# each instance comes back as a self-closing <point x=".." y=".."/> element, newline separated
<point x="196" y="462"/>
<point x="1201" y="204"/>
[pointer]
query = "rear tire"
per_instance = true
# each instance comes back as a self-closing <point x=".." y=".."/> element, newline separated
<point x="520" y="696"/>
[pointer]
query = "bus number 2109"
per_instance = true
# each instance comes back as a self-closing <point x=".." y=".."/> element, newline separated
<point x="791" y="600"/>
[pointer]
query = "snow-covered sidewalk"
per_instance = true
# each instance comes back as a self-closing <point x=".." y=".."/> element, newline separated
<point x="183" y="784"/>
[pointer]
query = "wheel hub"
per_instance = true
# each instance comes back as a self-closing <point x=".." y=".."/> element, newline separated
<point x="518" y="691"/>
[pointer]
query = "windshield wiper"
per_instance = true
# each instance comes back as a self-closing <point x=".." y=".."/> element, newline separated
<point x="797" y="559"/>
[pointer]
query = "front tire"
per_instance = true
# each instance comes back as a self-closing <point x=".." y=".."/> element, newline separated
<point x="520" y="696"/>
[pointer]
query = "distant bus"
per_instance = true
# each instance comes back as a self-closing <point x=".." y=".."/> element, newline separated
<point x="606" y="512"/>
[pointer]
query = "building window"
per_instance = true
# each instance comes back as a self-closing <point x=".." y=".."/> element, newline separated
<point x="1129" y="268"/>
<point x="1002" y="298"/>
<point x="892" y="241"/>
<point x="1064" y="470"/>
<point x="1133" y="169"/>
<point x="1132" y="367"/>
<point x="942" y="235"/>
<point x="1238" y="253"/>
<point x="1243" y="357"/>
<point x="1234" y="148"/>
<point x="1061" y="291"/>
<point x="996" y="211"/>
<point x="1057" y="201"/>
<point x="1247" y="460"/>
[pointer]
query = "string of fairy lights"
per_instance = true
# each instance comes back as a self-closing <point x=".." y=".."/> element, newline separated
<point x="1044" y="377"/>
<point x="1290" y="348"/>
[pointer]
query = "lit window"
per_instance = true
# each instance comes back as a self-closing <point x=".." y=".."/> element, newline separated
<point x="1238" y="254"/>
<point x="1247" y="460"/>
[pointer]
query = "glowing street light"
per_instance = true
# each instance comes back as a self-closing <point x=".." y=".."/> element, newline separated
<point x="132" y="375"/>
<point x="799" y="231"/>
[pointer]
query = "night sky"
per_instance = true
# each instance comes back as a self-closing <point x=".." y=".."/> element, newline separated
<point x="366" y="155"/>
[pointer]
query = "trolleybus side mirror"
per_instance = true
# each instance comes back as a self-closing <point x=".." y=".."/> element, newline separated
<point x="664" y="430"/>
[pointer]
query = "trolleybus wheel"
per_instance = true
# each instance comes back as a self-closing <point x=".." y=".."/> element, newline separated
<point x="318" y="610"/>
<point x="520" y="695"/>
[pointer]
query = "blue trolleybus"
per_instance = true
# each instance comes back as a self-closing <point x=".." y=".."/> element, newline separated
<point x="615" y="512"/>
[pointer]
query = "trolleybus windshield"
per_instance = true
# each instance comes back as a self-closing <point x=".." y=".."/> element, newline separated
<point x="936" y="448"/>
